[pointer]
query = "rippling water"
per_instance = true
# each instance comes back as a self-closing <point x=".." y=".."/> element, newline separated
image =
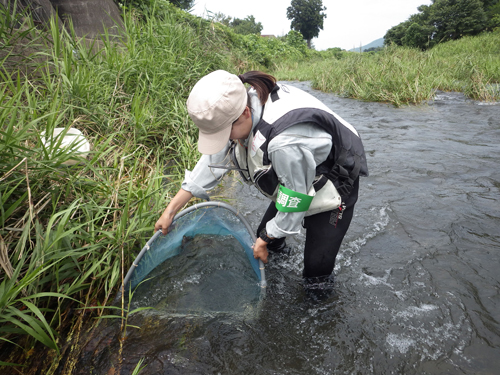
<point x="417" y="278"/>
<point x="211" y="274"/>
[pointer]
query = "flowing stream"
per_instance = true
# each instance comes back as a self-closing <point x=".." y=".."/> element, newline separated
<point x="417" y="278"/>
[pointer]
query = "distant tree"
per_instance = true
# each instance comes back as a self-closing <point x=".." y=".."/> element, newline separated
<point x="373" y="49"/>
<point x="396" y="34"/>
<point x="443" y="20"/>
<point x="145" y="6"/>
<point x="453" y="19"/>
<point x="417" y="36"/>
<point x="246" y="26"/>
<point x="492" y="9"/>
<point x="183" y="4"/>
<point x="222" y="18"/>
<point x="307" y="17"/>
<point x="495" y="21"/>
<point x="493" y="13"/>
<point x="414" y="32"/>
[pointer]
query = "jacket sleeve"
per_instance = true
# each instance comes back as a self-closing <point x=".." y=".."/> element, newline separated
<point x="294" y="160"/>
<point x="203" y="178"/>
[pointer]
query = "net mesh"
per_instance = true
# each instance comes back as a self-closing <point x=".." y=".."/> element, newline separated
<point x="211" y="220"/>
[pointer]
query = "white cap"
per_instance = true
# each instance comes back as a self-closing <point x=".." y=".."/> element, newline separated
<point x="215" y="102"/>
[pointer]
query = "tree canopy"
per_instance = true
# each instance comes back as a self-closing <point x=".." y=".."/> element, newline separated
<point x="183" y="4"/>
<point x="445" y="20"/>
<point x="146" y="5"/>
<point x="246" y="26"/>
<point x="307" y="17"/>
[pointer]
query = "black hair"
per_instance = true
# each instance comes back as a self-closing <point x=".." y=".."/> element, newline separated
<point x="262" y="82"/>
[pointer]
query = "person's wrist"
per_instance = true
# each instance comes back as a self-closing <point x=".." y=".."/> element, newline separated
<point x="264" y="237"/>
<point x="168" y="213"/>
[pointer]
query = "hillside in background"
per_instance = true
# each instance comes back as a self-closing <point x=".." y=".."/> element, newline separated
<point x="374" y="44"/>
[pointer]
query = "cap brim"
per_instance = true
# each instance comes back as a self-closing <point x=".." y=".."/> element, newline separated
<point x="209" y="144"/>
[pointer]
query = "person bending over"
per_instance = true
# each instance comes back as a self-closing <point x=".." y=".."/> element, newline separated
<point x="292" y="147"/>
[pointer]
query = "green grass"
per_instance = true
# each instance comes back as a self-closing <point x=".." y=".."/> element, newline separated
<point x="68" y="234"/>
<point x="406" y="76"/>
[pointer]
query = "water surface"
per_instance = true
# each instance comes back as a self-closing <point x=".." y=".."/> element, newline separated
<point x="417" y="278"/>
<point x="211" y="274"/>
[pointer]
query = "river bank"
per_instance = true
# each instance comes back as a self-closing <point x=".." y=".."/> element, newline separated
<point x="68" y="234"/>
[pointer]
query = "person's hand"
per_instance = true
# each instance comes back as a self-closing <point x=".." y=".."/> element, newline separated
<point x="260" y="250"/>
<point x="164" y="222"/>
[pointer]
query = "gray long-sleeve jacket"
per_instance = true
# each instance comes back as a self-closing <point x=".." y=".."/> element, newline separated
<point x="295" y="153"/>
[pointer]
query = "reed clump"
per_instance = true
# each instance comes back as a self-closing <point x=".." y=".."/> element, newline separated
<point x="68" y="233"/>
<point x="402" y="75"/>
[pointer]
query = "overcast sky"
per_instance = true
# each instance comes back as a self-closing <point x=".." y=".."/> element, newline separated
<point x="348" y="24"/>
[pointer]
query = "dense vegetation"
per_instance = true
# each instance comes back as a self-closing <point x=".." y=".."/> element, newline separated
<point x="69" y="233"/>
<point x="402" y="75"/>
<point x="245" y="26"/>
<point x="445" y="20"/>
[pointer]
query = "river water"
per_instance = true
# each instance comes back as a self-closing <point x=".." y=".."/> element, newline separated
<point x="417" y="278"/>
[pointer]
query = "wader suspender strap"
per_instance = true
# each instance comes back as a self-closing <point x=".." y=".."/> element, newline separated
<point x="274" y="94"/>
<point x="341" y="178"/>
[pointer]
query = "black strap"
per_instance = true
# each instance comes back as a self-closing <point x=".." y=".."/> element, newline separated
<point x="274" y="93"/>
<point x="341" y="177"/>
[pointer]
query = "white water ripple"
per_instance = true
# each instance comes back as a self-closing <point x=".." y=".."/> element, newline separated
<point x="351" y="248"/>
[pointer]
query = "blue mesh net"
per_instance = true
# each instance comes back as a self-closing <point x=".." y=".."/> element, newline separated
<point x="211" y="220"/>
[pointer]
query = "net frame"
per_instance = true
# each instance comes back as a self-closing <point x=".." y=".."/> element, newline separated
<point x="147" y="247"/>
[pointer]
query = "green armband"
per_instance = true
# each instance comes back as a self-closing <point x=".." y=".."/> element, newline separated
<point x="291" y="201"/>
